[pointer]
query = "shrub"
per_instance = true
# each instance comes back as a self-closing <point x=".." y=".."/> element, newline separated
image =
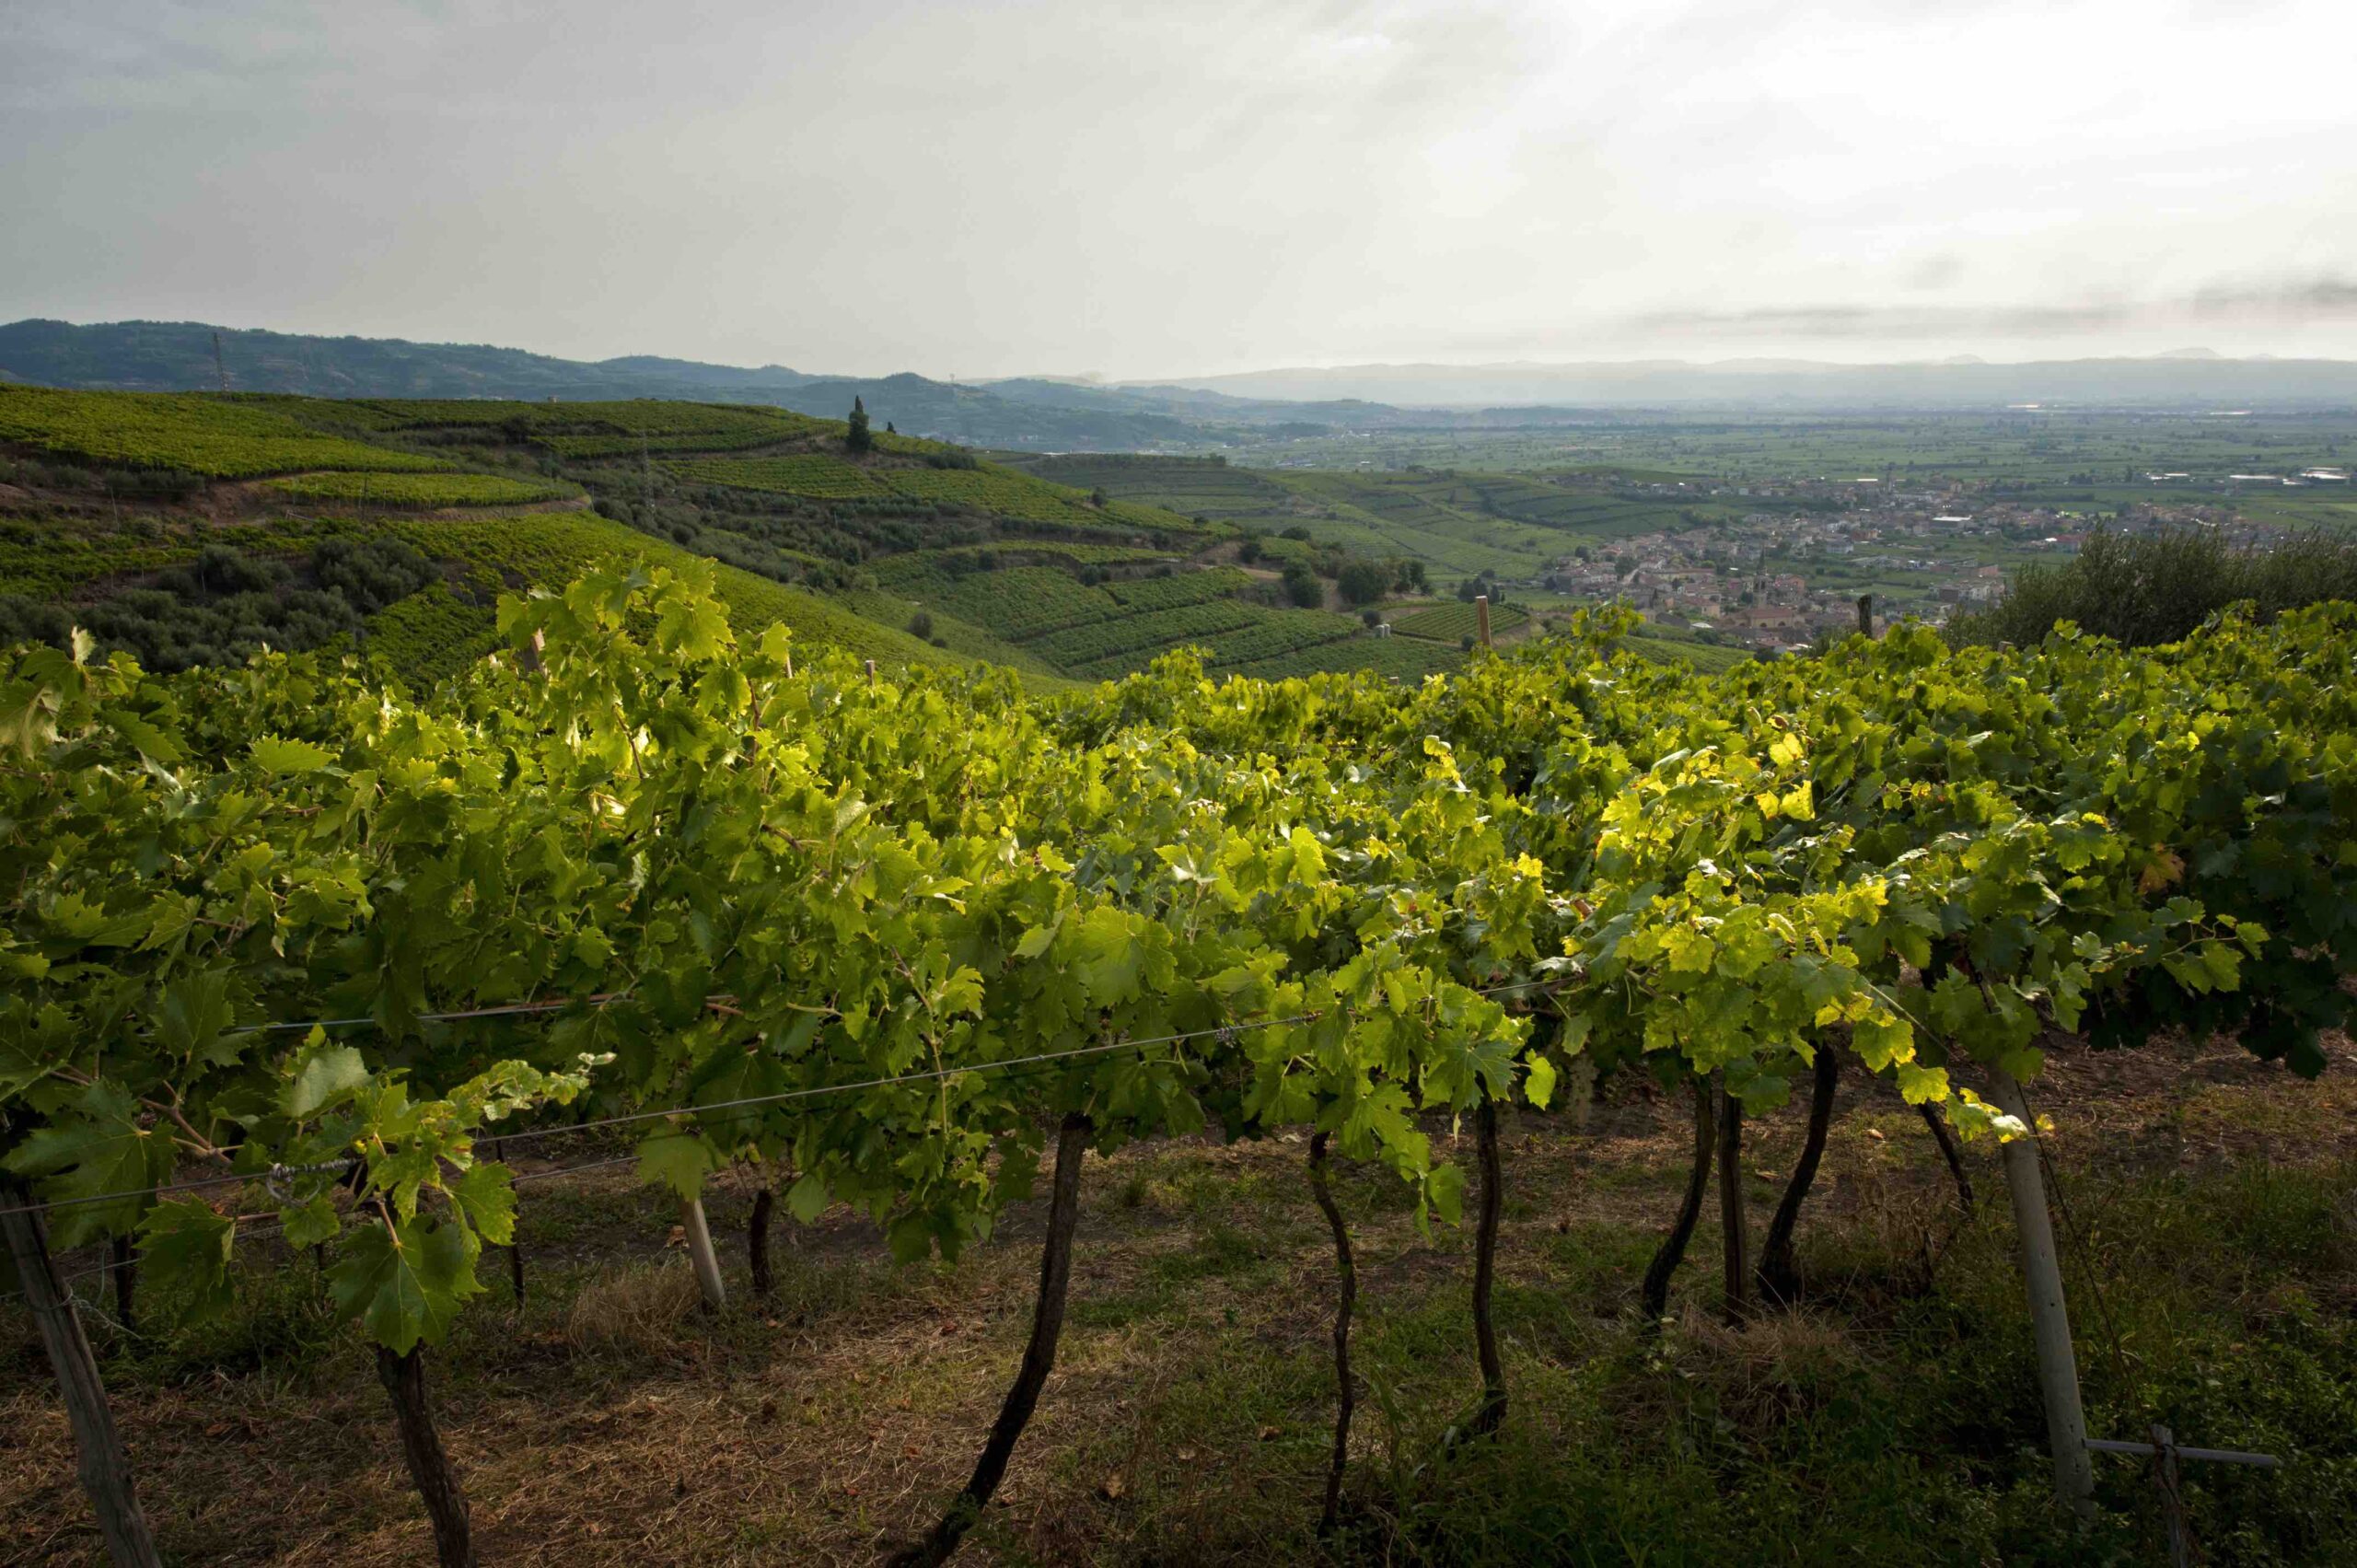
<point x="1364" y="581"/>
<point x="2159" y="588"/>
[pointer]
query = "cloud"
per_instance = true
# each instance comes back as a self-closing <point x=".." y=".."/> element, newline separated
<point x="987" y="185"/>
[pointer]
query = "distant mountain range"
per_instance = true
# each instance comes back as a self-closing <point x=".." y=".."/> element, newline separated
<point x="1044" y="413"/>
<point x="2193" y="379"/>
<point x="169" y="356"/>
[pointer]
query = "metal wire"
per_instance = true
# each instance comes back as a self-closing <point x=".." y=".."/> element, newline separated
<point x="928" y="1075"/>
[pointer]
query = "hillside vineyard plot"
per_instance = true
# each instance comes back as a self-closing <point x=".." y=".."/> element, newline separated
<point x="420" y="490"/>
<point x="217" y="438"/>
<point x="286" y="943"/>
<point x="811" y="473"/>
<point x="1448" y="622"/>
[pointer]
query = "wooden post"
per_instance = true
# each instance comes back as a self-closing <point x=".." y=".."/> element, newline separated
<point x="2058" y="1371"/>
<point x="98" y="1453"/>
<point x="1482" y="618"/>
<point x="871" y="672"/>
<point x="2172" y="1503"/>
<point x="699" y="1253"/>
<point x="1866" y="614"/>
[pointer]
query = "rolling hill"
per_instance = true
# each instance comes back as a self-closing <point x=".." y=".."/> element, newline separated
<point x="193" y="527"/>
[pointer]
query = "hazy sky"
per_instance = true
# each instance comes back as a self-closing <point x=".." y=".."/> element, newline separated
<point x="1084" y="185"/>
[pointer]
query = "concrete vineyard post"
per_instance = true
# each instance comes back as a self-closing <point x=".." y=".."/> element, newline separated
<point x="1734" y="1223"/>
<point x="699" y="1253"/>
<point x="2058" y="1371"/>
<point x="98" y="1453"/>
<point x="1580" y="1095"/>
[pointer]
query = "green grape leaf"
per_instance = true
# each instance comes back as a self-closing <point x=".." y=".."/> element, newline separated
<point x="185" y="1248"/>
<point x="1539" y="1082"/>
<point x="1444" y="1190"/>
<point x="281" y="756"/>
<point x="328" y="1075"/>
<point x="309" y="1224"/>
<point x="193" y="1015"/>
<point x="1922" y="1086"/>
<point x="404" y="1284"/>
<point x="486" y="1195"/>
<point x="677" y="1160"/>
<point x="807" y="1199"/>
<point x="96" y="1145"/>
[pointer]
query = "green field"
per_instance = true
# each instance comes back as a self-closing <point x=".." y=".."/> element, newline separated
<point x="1449" y="622"/>
<point x="1204" y="487"/>
<point x="213" y="437"/>
<point x="818" y="475"/>
<point x="420" y="490"/>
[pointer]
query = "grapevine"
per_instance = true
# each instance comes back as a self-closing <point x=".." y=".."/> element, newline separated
<point x="775" y="910"/>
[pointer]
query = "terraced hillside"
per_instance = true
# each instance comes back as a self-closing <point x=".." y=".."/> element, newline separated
<point x="191" y="529"/>
<point x="1460" y="524"/>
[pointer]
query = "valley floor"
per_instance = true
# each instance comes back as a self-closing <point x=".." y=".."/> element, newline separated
<point x="2207" y="1214"/>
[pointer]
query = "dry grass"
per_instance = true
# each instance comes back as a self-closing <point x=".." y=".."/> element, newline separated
<point x="638" y="1308"/>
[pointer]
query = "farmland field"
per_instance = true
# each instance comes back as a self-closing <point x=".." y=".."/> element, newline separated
<point x="811" y="473"/>
<point x="420" y="490"/>
<point x="205" y="435"/>
<point x="1448" y="622"/>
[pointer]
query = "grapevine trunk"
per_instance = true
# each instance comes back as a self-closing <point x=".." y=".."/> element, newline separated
<point x="1346" y="1295"/>
<point x="1945" y="1137"/>
<point x="429" y="1466"/>
<point x="757" y="1242"/>
<point x="1038" y="1356"/>
<point x="1779" y="1278"/>
<point x="1672" y="1251"/>
<point x="1492" y="1411"/>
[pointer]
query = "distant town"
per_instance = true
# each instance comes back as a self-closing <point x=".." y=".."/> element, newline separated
<point x="1793" y="568"/>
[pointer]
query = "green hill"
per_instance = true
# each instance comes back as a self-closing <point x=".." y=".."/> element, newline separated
<point x="195" y="528"/>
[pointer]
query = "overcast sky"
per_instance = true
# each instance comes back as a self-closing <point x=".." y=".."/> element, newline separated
<point x="1078" y="186"/>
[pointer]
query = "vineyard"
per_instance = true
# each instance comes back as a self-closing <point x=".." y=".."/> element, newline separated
<point x="1184" y="588"/>
<point x="1191" y="486"/>
<point x="422" y="490"/>
<point x="811" y="473"/>
<point x="1452" y="622"/>
<point x="219" y="438"/>
<point x="1113" y="648"/>
<point x="310" y="975"/>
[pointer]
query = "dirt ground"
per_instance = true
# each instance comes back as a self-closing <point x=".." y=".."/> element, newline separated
<point x="609" y="1420"/>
